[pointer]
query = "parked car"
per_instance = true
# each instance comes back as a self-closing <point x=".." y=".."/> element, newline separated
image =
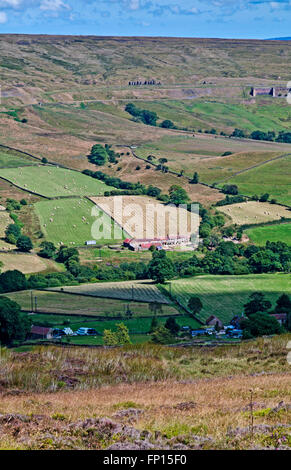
<point x="57" y="333"/>
<point x="235" y="333"/>
<point x="86" y="332"/>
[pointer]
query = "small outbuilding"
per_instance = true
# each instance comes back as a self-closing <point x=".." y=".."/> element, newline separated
<point x="280" y="317"/>
<point x="213" y="321"/>
<point x="41" y="332"/>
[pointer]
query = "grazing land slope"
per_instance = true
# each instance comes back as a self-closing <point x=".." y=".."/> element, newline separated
<point x="225" y="296"/>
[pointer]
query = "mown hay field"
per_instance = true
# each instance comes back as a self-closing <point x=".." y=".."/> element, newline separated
<point x="225" y="296"/>
<point x="253" y="212"/>
<point x="272" y="178"/>
<point x="58" y="302"/>
<point x="26" y="263"/>
<point x="75" y="221"/>
<point x="272" y="233"/>
<point x="141" y="291"/>
<point x="50" y="181"/>
<point x="144" y="217"/>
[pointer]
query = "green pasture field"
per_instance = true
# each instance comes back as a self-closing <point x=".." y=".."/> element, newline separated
<point x="136" y="325"/>
<point x="50" y="181"/>
<point x="124" y="255"/>
<point x="98" y="340"/>
<point x="225" y="296"/>
<point x="272" y="233"/>
<point x="70" y="221"/>
<point x="272" y="178"/>
<point x="221" y="115"/>
<point x="203" y="153"/>
<point x="78" y="305"/>
<point x="11" y="159"/>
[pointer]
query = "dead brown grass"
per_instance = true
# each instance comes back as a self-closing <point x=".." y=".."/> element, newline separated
<point x="26" y="263"/>
<point x="208" y="408"/>
<point x="128" y="172"/>
<point x="185" y="397"/>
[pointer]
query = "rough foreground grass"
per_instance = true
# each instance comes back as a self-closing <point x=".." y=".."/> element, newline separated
<point x="144" y="397"/>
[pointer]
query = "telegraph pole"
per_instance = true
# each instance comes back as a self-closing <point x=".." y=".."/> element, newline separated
<point x="31" y="300"/>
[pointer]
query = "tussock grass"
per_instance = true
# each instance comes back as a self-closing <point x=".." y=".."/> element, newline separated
<point x="49" y="369"/>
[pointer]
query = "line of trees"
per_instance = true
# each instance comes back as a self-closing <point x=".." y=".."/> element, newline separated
<point x="13" y="232"/>
<point x="271" y="136"/>
<point x="142" y="115"/>
<point x="147" y="117"/>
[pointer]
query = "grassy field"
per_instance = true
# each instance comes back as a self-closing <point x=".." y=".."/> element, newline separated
<point x="273" y="233"/>
<point x="133" y="170"/>
<point x="74" y="221"/>
<point x="196" y="397"/>
<point x="10" y="159"/>
<point x="136" y="326"/>
<point x="141" y="291"/>
<point x="225" y="296"/>
<point x="197" y="114"/>
<point x="253" y="212"/>
<point x="203" y="153"/>
<point x="115" y="257"/>
<point x="57" y="302"/>
<point x="28" y="263"/>
<point x="50" y="181"/>
<point x="272" y="178"/>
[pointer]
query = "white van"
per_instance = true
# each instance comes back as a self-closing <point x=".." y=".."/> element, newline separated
<point x="86" y="332"/>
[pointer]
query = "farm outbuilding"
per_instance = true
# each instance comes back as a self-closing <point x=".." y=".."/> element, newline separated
<point x="137" y="244"/>
<point x="280" y="317"/>
<point x="41" y="332"/>
<point x="213" y="321"/>
<point x="271" y="91"/>
<point x="90" y="242"/>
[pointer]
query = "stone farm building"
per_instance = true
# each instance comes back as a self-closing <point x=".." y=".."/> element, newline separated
<point x="137" y="244"/>
<point x="213" y="321"/>
<point x="270" y="91"/>
<point x="281" y="318"/>
<point x="143" y="82"/>
<point x="41" y="332"/>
